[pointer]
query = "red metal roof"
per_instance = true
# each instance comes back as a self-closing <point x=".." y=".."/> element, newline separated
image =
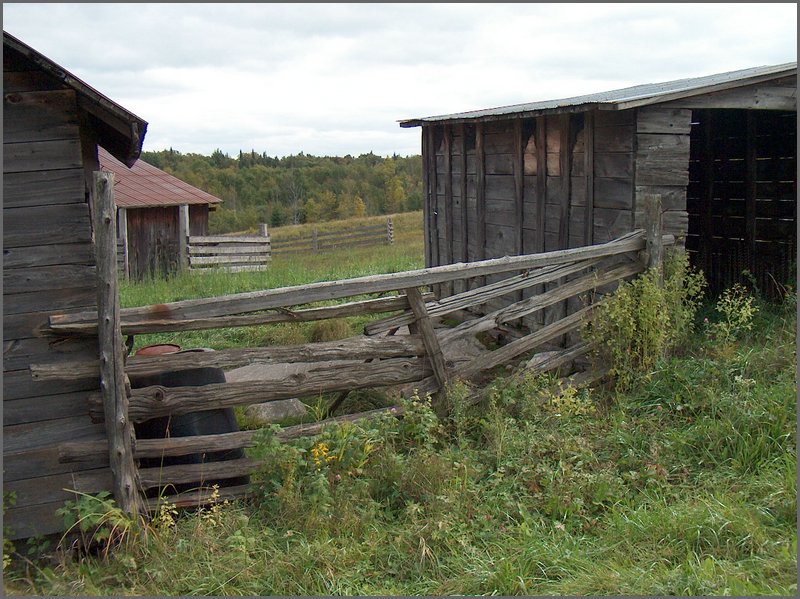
<point x="145" y="186"/>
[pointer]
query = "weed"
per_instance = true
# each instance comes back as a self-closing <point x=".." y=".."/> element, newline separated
<point x="737" y="309"/>
<point x="99" y="522"/>
<point x="643" y="320"/>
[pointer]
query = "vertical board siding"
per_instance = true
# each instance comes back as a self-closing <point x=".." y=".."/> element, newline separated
<point x="153" y="241"/>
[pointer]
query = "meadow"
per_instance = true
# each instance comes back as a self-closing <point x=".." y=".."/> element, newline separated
<point x="681" y="482"/>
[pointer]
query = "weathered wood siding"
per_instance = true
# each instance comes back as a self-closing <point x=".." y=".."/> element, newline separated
<point x="517" y="186"/>
<point x="153" y="241"/>
<point x="536" y="184"/>
<point x="198" y="219"/>
<point x="154" y="238"/>
<point x="49" y="267"/>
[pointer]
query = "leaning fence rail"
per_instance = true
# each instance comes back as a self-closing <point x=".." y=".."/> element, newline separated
<point x="382" y="357"/>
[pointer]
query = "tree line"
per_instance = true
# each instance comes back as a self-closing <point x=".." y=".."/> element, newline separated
<point x="257" y="188"/>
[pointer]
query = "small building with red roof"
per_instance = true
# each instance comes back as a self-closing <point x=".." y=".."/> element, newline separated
<point x="156" y="211"/>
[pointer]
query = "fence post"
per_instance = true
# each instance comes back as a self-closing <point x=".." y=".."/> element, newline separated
<point x="654" y="251"/>
<point x="183" y="236"/>
<point x="119" y="428"/>
<point x="389" y="230"/>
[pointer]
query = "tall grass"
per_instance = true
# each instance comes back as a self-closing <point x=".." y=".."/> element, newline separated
<point x="286" y="270"/>
<point x="683" y="484"/>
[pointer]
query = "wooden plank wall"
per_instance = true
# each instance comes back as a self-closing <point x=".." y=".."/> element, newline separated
<point x="153" y="241"/>
<point x="528" y="186"/>
<point x="48" y="267"/>
<point x="662" y="164"/>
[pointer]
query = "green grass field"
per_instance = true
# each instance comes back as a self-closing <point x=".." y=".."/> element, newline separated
<point x="407" y="253"/>
<point x="684" y="485"/>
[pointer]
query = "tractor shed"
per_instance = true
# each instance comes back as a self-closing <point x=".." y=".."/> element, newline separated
<point x="720" y="150"/>
<point x="53" y="124"/>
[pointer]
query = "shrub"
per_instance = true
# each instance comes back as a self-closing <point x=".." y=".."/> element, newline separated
<point x="737" y="310"/>
<point x="642" y="321"/>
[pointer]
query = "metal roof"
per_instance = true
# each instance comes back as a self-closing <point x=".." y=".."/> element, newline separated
<point x="629" y="97"/>
<point x="123" y="131"/>
<point x="145" y="186"/>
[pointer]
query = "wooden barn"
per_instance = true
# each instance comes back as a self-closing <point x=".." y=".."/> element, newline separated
<point x="53" y="125"/>
<point x="720" y="150"/>
<point x="155" y="213"/>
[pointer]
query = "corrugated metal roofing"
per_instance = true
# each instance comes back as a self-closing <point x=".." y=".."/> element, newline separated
<point x="641" y="95"/>
<point x="145" y="186"/>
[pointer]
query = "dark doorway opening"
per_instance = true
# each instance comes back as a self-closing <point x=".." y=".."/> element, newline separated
<point x="742" y="199"/>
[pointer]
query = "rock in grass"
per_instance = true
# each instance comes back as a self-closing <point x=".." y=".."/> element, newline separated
<point x="275" y="411"/>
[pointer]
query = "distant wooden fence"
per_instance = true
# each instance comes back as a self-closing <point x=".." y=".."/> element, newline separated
<point x="383" y="357"/>
<point x="234" y="253"/>
<point x="320" y="242"/>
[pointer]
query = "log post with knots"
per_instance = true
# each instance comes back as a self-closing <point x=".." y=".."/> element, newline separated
<point x="119" y="428"/>
<point x="654" y="250"/>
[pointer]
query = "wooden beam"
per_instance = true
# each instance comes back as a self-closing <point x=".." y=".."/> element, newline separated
<point x="152" y="402"/>
<point x="183" y="236"/>
<point x="434" y="199"/>
<point x="541" y="180"/>
<point x="329" y="290"/>
<point x="480" y="196"/>
<point x="122" y="214"/>
<point x="588" y="170"/>
<point x="423" y="322"/>
<point x="481" y="295"/>
<point x="426" y="190"/>
<point x="750" y="185"/>
<point x="354" y="348"/>
<point x="653" y="225"/>
<point x="707" y="122"/>
<point x="83" y="451"/>
<point x="449" y="229"/>
<point x="358" y="308"/>
<point x="523" y="345"/>
<point x="519" y="186"/>
<point x="119" y="427"/>
<point x="464" y="211"/>
<point x="532" y="304"/>
<point x="565" y="159"/>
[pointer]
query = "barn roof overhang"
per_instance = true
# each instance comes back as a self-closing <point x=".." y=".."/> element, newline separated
<point x="621" y="99"/>
<point x="120" y="131"/>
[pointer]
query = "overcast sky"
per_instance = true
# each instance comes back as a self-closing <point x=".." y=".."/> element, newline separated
<point x="334" y="79"/>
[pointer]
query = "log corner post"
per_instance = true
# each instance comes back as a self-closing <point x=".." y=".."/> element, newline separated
<point x="119" y="428"/>
<point x="654" y="251"/>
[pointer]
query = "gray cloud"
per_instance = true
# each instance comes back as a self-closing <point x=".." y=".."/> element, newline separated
<point x="335" y="78"/>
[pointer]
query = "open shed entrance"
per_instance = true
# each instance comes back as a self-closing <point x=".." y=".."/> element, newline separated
<point x="742" y="198"/>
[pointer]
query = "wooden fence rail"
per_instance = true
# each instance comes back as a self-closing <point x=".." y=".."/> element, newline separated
<point x="319" y="242"/>
<point x="231" y="252"/>
<point x="377" y="359"/>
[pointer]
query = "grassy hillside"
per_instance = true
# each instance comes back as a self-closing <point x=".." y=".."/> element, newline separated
<point x="685" y="484"/>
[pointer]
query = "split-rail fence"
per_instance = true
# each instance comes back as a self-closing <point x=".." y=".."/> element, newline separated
<point x="316" y="241"/>
<point x="385" y="356"/>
